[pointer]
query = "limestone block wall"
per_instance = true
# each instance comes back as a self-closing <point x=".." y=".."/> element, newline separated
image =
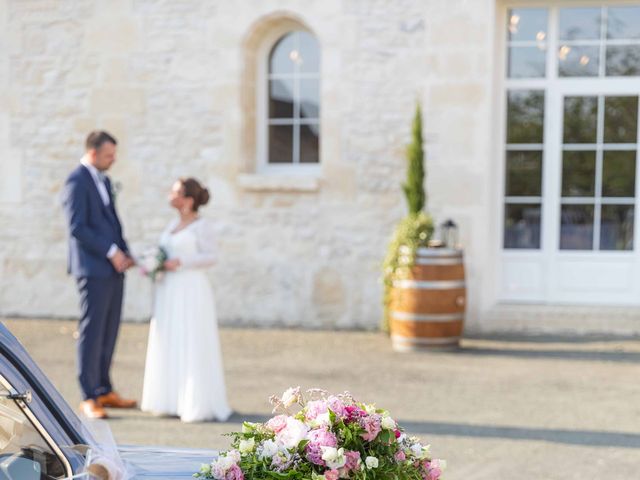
<point x="175" y="82"/>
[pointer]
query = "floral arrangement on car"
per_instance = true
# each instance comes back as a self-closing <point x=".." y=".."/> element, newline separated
<point x="329" y="437"/>
<point x="151" y="262"/>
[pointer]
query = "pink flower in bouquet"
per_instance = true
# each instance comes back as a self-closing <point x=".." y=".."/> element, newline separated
<point x="398" y="433"/>
<point x="332" y="475"/>
<point x="400" y="456"/>
<point x="277" y="423"/>
<point x="336" y="406"/>
<point x="314" y="454"/>
<point x="371" y="425"/>
<point x="234" y="473"/>
<point x="315" y="408"/>
<point x="221" y="466"/>
<point x="293" y="433"/>
<point x="353" y="413"/>
<point x="281" y="460"/>
<point x="322" y="437"/>
<point x="317" y="439"/>
<point x="432" y="469"/>
<point x="353" y="460"/>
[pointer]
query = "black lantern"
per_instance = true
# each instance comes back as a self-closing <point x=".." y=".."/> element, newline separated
<point x="449" y="234"/>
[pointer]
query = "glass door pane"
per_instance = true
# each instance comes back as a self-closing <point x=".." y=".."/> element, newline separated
<point x="599" y="154"/>
<point x="524" y="160"/>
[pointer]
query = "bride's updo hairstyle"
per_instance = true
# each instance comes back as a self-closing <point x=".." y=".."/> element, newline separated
<point x="193" y="189"/>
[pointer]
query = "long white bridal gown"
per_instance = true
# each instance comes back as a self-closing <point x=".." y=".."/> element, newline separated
<point x="184" y="374"/>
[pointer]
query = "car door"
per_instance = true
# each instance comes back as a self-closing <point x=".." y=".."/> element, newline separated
<point x="39" y="433"/>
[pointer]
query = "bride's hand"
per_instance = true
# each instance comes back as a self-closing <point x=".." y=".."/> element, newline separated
<point x="172" y="265"/>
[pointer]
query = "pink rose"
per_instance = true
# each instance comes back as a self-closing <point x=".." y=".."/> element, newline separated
<point x="277" y="423"/>
<point x="322" y="437"/>
<point x="353" y="460"/>
<point x="331" y="475"/>
<point x="315" y="408"/>
<point x="336" y="406"/>
<point x="234" y="473"/>
<point x="400" y="456"/>
<point x="317" y="439"/>
<point x="431" y="469"/>
<point x="353" y="413"/>
<point x="371" y="425"/>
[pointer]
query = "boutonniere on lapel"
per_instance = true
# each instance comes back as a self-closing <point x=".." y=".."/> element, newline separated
<point x="116" y="188"/>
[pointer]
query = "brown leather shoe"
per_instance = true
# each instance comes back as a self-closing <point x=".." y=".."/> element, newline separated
<point x="92" y="409"/>
<point x="113" y="400"/>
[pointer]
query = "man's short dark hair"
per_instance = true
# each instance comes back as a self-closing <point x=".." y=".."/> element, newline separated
<point x="97" y="138"/>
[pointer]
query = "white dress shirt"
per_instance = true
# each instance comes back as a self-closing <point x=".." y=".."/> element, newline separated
<point x="104" y="194"/>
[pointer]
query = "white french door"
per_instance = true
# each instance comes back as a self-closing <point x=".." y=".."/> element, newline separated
<point x="571" y="232"/>
<point x="591" y="221"/>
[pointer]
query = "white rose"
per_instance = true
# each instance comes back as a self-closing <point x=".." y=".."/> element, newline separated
<point x="388" y="423"/>
<point x="370" y="409"/>
<point x="291" y="396"/>
<point x="248" y="427"/>
<point x="220" y="466"/>
<point x="269" y="449"/>
<point x="333" y="457"/>
<point x="233" y="456"/>
<point x="148" y="260"/>
<point x="247" y="445"/>
<point x="371" y="462"/>
<point x="320" y="420"/>
<point x="426" y="453"/>
<point x="217" y="470"/>
<point x="416" y="450"/>
<point x="291" y="435"/>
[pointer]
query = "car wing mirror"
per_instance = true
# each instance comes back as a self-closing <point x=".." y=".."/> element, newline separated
<point x="19" y="468"/>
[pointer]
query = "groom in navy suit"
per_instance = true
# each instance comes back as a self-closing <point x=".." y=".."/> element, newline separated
<point x="98" y="258"/>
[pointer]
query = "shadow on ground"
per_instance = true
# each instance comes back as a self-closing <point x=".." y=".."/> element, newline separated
<point x="591" y="438"/>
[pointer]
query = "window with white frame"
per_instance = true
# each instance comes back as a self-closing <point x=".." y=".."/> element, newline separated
<point x="293" y="123"/>
<point x="571" y="110"/>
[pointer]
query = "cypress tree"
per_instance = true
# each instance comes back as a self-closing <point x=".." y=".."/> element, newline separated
<point x="414" y="186"/>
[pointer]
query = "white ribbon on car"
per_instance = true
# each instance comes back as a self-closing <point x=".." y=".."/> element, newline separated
<point x="102" y="459"/>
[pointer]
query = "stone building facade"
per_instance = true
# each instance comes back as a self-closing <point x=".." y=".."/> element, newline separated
<point x="182" y="85"/>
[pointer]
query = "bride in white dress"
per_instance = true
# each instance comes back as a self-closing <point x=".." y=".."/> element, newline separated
<point x="184" y="374"/>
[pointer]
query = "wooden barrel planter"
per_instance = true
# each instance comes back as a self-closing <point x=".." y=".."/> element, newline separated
<point x="427" y="308"/>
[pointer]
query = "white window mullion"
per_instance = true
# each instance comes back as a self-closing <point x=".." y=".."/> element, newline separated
<point x="552" y="165"/>
<point x="513" y="199"/>
<point x="598" y="179"/>
<point x="524" y="146"/>
<point x="603" y="42"/>
<point x="296" y="105"/>
<point x="636" y="223"/>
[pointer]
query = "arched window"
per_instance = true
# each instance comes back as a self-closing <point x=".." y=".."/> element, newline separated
<point x="293" y="112"/>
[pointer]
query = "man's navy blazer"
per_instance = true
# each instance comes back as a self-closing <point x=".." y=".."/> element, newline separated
<point x="93" y="226"/>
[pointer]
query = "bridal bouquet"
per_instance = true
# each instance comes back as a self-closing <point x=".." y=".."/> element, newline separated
<point x="151" y="261"/>
<point x="327" y="438"/>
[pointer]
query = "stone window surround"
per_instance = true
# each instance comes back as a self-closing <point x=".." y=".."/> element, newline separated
<point x="257" y="175"/>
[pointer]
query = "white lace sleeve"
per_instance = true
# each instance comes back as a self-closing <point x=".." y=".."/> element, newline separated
<point x="207" y="254"/>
